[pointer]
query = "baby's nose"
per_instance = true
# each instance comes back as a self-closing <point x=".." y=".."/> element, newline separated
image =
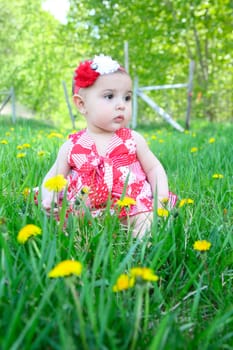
<point x="120" y="104"/>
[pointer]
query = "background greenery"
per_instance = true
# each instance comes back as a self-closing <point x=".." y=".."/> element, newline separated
<point x="37" y="52"/>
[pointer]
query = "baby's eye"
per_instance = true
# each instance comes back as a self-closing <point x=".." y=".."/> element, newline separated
<point x="108" y="96"/>
<point x="128" y="98"/>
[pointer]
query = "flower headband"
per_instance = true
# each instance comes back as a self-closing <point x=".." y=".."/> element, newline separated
<point x="88" y="71"/>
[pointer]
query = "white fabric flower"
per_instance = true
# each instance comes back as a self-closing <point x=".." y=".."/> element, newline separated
<point x="104" y="64"/>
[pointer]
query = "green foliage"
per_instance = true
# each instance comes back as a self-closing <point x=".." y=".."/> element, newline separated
<point x="37" y="52"/>
<point x="190" y="307"/>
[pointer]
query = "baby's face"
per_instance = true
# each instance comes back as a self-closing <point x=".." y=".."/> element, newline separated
<point x="108" y="102"/>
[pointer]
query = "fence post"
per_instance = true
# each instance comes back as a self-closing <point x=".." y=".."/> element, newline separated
<point x="126" y="52"/>
<point x="190" y="92"/>
<point x="135" y="103"/>
<point x="68" y="104"/>
<point x="13" y="108"/>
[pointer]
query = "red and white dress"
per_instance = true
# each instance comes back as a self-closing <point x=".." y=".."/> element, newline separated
<point x="114" y="176"/>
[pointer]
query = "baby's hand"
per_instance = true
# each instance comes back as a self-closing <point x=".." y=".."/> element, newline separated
<point x="47" y="205"/>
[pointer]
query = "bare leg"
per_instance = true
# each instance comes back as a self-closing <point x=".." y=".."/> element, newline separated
<point x="141" y="224"/>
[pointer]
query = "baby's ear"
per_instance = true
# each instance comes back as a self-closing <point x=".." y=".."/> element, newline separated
<point x="79" y="103"/>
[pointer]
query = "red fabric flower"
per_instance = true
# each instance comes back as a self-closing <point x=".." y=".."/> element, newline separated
<point x="84" y="76"/>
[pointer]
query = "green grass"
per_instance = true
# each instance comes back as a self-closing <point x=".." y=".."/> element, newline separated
<point x="190" y="307"/>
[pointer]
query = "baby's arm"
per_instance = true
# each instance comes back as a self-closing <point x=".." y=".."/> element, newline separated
<point x="154" y="170"/>
<point x="60" y="167"/>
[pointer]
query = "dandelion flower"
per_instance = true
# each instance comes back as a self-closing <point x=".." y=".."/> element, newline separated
<point x="194" y="149"/>
<point x="126" y="202"/>
<point x="85" y="190"/>
<point x="144" y="273"/>
<point x="55" y="135"/>
<point x="26" y="191"/>
<point x="211" y="140"/>
<point x="162" y="212"/>
<point x="41" y="153"/>
<point x="4" y="142"/>
<point x="186" y="201"/>
<point x="27" y="231"/>
<point x="217" y="176"/>
<point x="66" y="268"/>
<point x="123" y="282"/>
<point x="56" y="183"/>
<point x="26" y="145"/>
<point x="21" y="155"/>
<point x="202" y="245"/>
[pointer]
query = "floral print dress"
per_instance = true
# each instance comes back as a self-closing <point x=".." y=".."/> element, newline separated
<point x="112" y="177"/>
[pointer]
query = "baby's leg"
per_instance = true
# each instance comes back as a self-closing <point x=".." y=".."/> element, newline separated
<point x="141" y="223"/>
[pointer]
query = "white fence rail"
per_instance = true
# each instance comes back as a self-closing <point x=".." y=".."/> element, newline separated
<point x="9" y="96"/>
<point x="139" y="92"/>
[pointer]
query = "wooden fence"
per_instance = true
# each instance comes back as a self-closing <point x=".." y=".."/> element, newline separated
<point x="9" y="95"/>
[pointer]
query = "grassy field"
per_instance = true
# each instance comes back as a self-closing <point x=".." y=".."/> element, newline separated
<point x="191" y="304"/>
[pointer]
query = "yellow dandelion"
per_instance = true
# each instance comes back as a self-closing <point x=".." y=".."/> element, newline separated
<point x="144" y="273"/>
<point x="7" y="133"/>
<point x="186" y="201"/>
<point x="26" y="145"/>
<point x="41" y="153"/>
<point x="4" y="142"/>
<point x="56" y="183"/>
<point x="123" y="282"/>
<point x="21" y="155"/>
<point x="153" y="137"/>
<point x="202" y="245"/>
<point x="126" y="202"/>
<point x="161" y="141"/>
<point x="164" y="200"/>
<point x="66" y="268"/>
<point x="211" y="140"/>
<point x="194" y="149"/>
<point x="28" y="231"/>
<point x="162" y="212"/>
<point x="85" y="190"/>
<point x="55" y="135"/>
<point x="217" y="176"/>
<point x="19" y="147"/>
<point x="26" y="191"/>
